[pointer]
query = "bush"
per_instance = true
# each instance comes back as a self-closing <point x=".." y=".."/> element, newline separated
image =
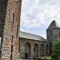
<point x="55" y="50"/>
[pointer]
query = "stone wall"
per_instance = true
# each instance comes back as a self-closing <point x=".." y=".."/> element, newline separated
<point x="9" y="25"/>
<point x="3" y="7"/>
<point x="32" y="42"/>
<point x="53" y="34"/>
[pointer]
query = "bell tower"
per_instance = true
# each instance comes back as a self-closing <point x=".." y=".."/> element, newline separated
<point x="10" y="11"/>
<point x="53" y="31"/>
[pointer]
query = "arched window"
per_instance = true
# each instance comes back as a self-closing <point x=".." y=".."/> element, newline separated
<point x="35" y="50"/>
<point x="51" y="33"/>
<point x="47" y="50"/>
<point x="27" y="50"/>
<point x="42" y="50"/>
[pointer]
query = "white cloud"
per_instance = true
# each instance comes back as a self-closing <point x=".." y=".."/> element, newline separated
<point x="36" y="13"/>
<point x="41" y="13"/>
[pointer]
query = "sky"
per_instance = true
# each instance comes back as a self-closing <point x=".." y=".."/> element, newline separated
<point x="36" y="15"/>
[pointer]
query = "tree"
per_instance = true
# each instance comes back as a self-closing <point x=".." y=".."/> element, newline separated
<point x="55" y="50"/>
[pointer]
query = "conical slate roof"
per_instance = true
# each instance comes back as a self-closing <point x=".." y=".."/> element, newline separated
<point x="53" y="24"/>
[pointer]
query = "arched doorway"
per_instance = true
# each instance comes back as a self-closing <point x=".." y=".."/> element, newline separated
<point x="42" y="50"/>
<point x="35" y="50"/>
<point x="47" y="50"/>
<point x="27" y="50"/>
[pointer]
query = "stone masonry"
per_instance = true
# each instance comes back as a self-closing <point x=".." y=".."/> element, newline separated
<point x="10" y="11"/>
<point x="32" y="46"/>
<point x="53" y="33"/>
<point x="40" y="52"/>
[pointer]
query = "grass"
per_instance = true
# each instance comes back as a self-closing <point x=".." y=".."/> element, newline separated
<point x="20" y="59"/>
<point x="48" y="57"/>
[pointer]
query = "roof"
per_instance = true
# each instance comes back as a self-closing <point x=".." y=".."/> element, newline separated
<point x="31" y="36"/>
<point x="53" y="24"/>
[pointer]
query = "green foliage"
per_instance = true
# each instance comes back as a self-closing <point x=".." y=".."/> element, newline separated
<point x="55" y="50"/>
<point x="19" y="59"/>
<point x="48" y="57"/>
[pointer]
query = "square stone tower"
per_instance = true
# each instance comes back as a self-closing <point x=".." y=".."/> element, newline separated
<point x="10" y="11"/>
<point x="53" y="31"/>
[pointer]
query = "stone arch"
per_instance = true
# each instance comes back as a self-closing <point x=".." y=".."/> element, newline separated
<point x="47" y="50"/>
<point x="35" y="50"/>
<point x="27" y="50"/>
<point x="42" y="50"/>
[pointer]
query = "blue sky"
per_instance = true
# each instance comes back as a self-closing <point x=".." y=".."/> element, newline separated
<point x="36" y="15"/>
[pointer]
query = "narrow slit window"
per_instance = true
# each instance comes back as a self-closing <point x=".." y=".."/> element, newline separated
<point x="17" y="31"/>
<point x="51" y="33"/>
<point x="12" y="38"/>
<point x="13" y="17"/>
<point x="11" y="51"/>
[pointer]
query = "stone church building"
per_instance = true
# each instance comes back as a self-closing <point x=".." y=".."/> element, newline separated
<point x="27" y="45"/>
<point x="32" y="46"/>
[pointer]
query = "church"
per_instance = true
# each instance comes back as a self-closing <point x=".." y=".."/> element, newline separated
<point x="14" y="43"/>
<point x="32" y="46"/>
